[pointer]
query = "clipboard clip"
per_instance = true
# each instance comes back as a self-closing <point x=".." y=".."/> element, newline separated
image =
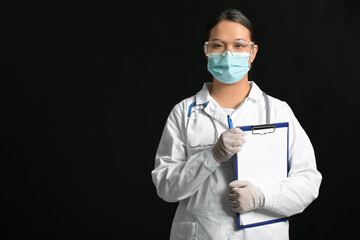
<point x="263" y="129"/>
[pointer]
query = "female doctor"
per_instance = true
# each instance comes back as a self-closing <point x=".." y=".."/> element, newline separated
<point x="194" y="163"/>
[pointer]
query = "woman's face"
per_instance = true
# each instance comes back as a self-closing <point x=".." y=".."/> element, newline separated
<point x="229" y="31"/>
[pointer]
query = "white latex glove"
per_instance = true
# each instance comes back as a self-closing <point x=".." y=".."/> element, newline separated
<point x="245" y="196"/>
<point x="229" y="143"/>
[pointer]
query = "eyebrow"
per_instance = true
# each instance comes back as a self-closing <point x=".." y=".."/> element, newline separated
<point x="216" y="39"/>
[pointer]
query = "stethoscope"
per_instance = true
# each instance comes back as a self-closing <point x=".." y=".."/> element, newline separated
<point x="202" y="106"/>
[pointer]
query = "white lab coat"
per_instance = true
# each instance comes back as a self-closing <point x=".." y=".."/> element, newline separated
<point x="192" y="177"/>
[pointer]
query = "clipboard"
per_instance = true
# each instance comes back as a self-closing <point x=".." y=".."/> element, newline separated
<point x="263" y="160"/>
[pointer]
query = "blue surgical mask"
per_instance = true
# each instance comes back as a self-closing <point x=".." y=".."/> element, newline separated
<point x="229" y="68"/>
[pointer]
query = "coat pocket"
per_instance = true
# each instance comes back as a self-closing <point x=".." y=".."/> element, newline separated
<point x="184" y="231"/>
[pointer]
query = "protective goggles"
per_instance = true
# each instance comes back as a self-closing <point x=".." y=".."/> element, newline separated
<point x="237" y="47"/>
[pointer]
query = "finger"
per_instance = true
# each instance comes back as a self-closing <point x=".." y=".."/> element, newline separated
<point x="233" y="144"/>
<point x="237" y="192"/>
<point x="232" y="150"/>
<point x="243" y="139"/>
<point x="237" y="209"/>
<point x="234" y="140"/>
<point x="233" y="196"/>
<point x="236" y="149"/>
<point x="239" y="143"/>
<point x="242" y="132"/>
<point x="238" y="184"/>
<point x="236" y="131"/>
<point x="234" y="204"/>
<point x="235" y="137"/>
<point x="225" y="150"/>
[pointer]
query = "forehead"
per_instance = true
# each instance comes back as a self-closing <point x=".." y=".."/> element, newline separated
<point x="229" y="30"/>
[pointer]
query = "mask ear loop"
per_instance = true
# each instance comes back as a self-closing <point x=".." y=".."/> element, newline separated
<point x="251" y="53"/>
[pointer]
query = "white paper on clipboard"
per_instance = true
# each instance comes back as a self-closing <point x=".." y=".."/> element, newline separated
<point x="263" y="160"/>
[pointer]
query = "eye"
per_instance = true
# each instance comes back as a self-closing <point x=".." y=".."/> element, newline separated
<point x="216" y="45"/>
<point x="239" y="45"/>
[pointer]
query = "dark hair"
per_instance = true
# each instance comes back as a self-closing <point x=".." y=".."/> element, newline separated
<point x="231" y="15"/>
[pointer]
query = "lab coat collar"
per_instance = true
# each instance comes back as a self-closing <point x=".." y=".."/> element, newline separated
<point x="255" y="92"/>
<point x="213" y="108"/>
<point x="203" y="96"/>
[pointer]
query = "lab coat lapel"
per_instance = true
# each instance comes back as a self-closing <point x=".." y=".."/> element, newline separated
<point x="212" y="108"/>
<point x="215" y="111"/>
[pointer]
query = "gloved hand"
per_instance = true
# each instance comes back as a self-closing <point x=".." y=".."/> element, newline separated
<point x="229" y="143"/>
<point x="245" y="196"/>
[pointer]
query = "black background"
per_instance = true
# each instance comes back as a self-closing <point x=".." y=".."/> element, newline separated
<point x="86" y="88"/>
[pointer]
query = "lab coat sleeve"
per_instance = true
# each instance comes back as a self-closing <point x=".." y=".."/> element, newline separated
<point x="177" y="176"/>
<point x="294" y="194"/>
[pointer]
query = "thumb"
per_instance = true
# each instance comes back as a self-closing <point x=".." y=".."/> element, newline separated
<point x="239" y="184"/>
